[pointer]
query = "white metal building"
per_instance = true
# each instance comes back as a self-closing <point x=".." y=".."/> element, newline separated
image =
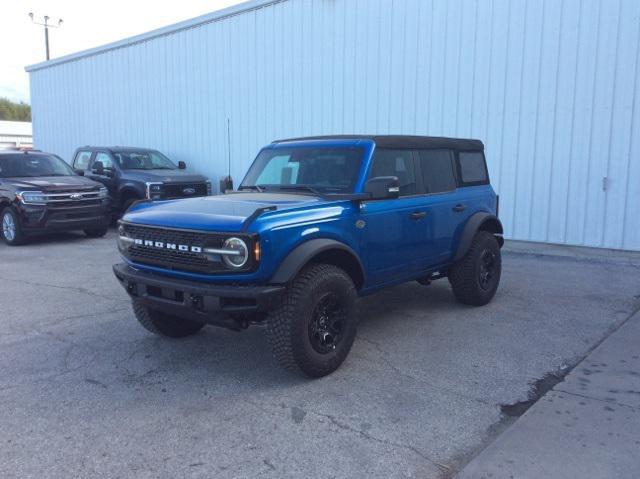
<point x="15" y="134"/>
<point x="550" y="86"/>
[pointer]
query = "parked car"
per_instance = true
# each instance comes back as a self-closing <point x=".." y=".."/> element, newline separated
<point x="317" y="222"/>
<point x="40" y="193"/>
<point x="133" y="174"/>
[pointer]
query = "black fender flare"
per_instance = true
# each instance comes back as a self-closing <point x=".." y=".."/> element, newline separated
<point x="473" y="225"/>
<point x="305" y="252"/>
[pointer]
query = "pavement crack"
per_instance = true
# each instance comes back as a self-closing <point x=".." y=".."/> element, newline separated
<point x="345" y="427"/>
<point x="384" y="355"/>
<point x="77" y="289"/>
<point x="350" y="429"/>
<point x="605" y="401"/>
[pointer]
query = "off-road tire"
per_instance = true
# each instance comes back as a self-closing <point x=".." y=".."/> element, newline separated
<point x="19" y="237"/>
<point x="164" y="324"/>
<point x="96" y="232"/>
<point x="465" y="274"/>
<point x="288" y="326"/>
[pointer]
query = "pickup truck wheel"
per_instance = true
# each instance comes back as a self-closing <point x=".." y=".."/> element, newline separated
<point x="315" y="325"/>
<point x="476" y="276"/>
<point x="96" y="232"/>
<point x="10" y="227"/>
<point x="164" y="324"/>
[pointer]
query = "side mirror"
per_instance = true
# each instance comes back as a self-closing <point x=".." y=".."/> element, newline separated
<point x="182" y="165"/>
<point x="383" y="187"/>
<point x="79" y="172"/>
<point x="98" y="168"/>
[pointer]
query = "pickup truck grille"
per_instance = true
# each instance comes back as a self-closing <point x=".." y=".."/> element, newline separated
<point x="177" y="190"/>
<point x="156" y="255"/>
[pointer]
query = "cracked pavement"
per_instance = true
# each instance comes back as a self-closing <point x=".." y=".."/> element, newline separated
<point x="86" y="392"/>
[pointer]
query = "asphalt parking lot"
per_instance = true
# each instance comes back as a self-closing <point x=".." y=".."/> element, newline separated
<point x="86" y="392"/>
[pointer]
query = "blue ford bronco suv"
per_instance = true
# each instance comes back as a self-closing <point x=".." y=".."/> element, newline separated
<point x="315" y="223"/>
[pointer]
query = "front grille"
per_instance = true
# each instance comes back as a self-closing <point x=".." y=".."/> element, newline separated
<point x="70" y="203"/>
<point x="177" y="190"/>
<point x="174" y="259"/>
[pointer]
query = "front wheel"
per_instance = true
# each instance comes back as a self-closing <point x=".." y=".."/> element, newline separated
<point x="475" y="277"/>
<point x="164" y="324"/>
<point x="11" y="229"/>
<point x="315" y="325"/>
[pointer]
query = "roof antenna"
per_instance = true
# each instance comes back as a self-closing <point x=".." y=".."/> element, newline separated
<point x="226" y="183"/>
<point x="229" y="144"/>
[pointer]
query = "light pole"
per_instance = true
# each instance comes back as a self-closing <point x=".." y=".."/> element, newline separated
<point x="46" y="26"/>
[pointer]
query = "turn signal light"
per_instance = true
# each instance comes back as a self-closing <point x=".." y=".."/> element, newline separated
<point x="256" y="251"/>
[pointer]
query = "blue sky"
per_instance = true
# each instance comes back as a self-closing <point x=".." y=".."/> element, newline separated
<point x="86" y="24"/>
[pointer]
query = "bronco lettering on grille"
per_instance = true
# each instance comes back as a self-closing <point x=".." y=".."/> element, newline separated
<point x="172" y="246"/>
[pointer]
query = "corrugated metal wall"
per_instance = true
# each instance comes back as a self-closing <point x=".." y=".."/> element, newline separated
<point x="550" y="86"/>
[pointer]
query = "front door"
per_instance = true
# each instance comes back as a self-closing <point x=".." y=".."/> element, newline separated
<point x="108" y="178"/>
<point x="395" y="230"/>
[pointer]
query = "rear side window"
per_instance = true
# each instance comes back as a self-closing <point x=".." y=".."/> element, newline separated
<point x="437" y="170"/>
<point x="398" y="163"/>
<point x="473" y="169"/>
<point x="81" y="161"/>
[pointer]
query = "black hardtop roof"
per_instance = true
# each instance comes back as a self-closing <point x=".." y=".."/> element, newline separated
<point x="403" y="141"/>
<point x="116" y="148"/>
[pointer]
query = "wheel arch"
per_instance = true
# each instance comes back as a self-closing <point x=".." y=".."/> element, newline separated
<point x="129" y="191"/>
<point x="321" y="250"/>
<point x="480" y="221"/>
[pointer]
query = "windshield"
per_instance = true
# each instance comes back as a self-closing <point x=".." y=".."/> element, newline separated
<point x="29" y="165"/>
<point x="324" y="170"/>
<point x="143" y="160"/>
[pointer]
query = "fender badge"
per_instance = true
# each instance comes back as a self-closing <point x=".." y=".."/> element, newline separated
<point x="360" y="224"/>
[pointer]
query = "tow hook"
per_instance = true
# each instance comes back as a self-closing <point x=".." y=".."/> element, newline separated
<point x="132" y="288"/>
<point x="197" y="302"/>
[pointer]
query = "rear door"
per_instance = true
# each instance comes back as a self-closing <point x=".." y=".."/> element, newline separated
<point x="441" y="201"/>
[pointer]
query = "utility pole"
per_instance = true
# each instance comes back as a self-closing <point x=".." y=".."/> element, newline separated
<point x="46" y="26"/>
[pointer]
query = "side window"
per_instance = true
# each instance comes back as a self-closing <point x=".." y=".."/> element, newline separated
<point x="473" y="169"/>
<point x="106" y="160"/>
<point x="437" y="170"/>
<point x="398" y="163"/>
<point x="81" y="161"/>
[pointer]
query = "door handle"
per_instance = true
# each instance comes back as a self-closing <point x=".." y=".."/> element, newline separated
<point x="418" y="215"/>
<point x="459" y="207"/>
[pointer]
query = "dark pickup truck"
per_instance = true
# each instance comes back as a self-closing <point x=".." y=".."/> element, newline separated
<point x="40" y="193"/>
<point x="132" y="174"/>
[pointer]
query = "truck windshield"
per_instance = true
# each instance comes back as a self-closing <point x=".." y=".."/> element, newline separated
<point x="305" y="169"/>
<point x="29" y="165"/>
<point x="143" y="160"/>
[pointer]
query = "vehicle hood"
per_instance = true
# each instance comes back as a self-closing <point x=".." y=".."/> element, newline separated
<point x="214" y="213"/>
<point x="52" y="183"/>
<point x="163" y="176"/>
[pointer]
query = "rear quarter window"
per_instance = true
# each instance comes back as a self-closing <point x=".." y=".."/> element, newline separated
<point x="473" y="168"/>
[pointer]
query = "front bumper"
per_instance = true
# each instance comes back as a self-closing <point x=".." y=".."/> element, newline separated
<point x="37" y="219"/>
<point x="197" y="301"/>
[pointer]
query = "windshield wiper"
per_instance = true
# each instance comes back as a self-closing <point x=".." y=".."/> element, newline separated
<point x="251" y="187"/>
<point x="308" y="188"/>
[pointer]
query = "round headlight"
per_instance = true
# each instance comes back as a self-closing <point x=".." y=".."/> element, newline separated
<point x="239" y="259"/>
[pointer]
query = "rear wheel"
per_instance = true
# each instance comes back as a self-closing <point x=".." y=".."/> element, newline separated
<point x="314" y="327"/>
<point x="475" y="277"/>
<point x="11" y="229"/>
<point x="164" y="324"/>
